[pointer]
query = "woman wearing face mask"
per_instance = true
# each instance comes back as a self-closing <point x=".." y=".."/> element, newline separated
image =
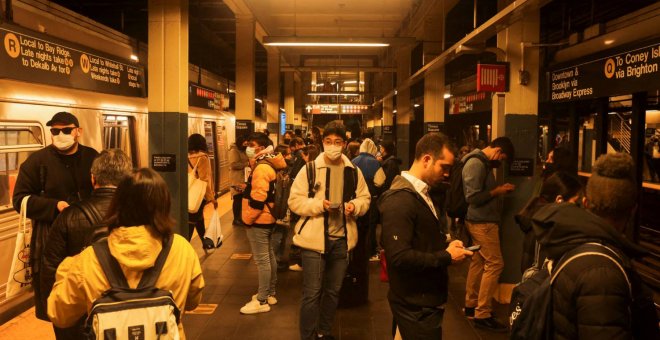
<point x="559" y="187"/>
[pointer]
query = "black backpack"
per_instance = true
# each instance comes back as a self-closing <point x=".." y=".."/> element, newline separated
<point x="94" y="217"/>
<point x="145" y="312"/>
<point x="457" y="206"/>
<point x="531" y="301"/>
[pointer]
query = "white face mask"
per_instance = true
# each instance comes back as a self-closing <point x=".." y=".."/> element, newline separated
<point x="332" y="151"/>
<point x="250" y="152"/>
<point x="63" y="142"/>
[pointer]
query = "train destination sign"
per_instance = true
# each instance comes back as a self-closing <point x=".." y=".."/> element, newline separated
<point x="628" y="72"/>
<point x="36" y="57"/>
<point x="206" y="98"/>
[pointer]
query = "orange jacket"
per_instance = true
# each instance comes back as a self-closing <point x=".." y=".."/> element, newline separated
<point x="255" y="210"/>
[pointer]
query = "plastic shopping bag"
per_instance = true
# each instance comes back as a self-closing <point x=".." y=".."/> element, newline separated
<point x="20" y="274"/>
<point x="214" y="230"/>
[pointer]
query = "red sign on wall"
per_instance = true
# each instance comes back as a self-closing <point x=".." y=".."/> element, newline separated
<point x="492" y="78"/>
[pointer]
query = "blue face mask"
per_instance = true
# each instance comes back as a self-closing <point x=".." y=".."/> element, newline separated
<point x="250" y="152"/>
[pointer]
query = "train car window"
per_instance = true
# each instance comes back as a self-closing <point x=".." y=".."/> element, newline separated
<point x="17" y="142"/>
<point x="119" y="133"/>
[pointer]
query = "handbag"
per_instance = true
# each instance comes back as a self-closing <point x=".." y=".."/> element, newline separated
<point x="214" y="230"/>
<point x="196" y="190"/>
<point x="20" y="274"/>
<point x="383" y="268"/>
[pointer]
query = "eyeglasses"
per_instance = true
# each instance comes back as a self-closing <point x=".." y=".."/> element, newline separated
<point x="336" y="142"/>
<point x="66" y="130"/>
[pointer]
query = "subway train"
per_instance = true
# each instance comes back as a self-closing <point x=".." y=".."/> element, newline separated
<point x="107" y="121"/>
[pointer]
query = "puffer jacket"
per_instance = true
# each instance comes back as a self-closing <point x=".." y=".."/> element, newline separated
<point x="80" y="279"/>
<point x="256" y="198"/>
<point x="311" y="228"/>
<point x="69" y="235"/>
<point x="204" y="172"/>
<point x="591" y="298"/>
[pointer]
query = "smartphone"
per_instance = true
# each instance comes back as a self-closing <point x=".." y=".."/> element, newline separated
<point x="335" y="205"/>
<point x="473" y="248"/>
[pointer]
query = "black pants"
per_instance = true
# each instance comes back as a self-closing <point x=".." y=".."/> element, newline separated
<point x="418" y="323"/>
<point x="237" y="207"/>
<point x="196" y="221"/>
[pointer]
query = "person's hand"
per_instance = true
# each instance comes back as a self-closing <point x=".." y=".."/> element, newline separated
<point x="326" y="205"/>
<point x="349" y="209"/>
<point x="457" y="252"/>
<point x="503" y="189"/>
<point x="61" y="205"/>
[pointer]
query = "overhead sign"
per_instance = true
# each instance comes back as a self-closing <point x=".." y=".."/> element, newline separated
<point x="628" y="72"/>
<point x="206" y="98"/>
<point x="492" y="77"/>
<point x="336" y="108"/>
<point x="475" y="102"/>
<point x="38" y="58"/>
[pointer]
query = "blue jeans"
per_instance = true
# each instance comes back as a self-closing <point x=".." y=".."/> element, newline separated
<point x="264" y="257"/>
<point x="278" y="241"/>
<point x="323" y="275"/>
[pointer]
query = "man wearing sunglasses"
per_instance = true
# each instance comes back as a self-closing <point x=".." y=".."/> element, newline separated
<point x="53" y="177"/>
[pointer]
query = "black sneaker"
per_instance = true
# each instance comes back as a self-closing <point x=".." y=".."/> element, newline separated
<point x="238" y="223"/>
<point x="490" y="324"/>
<point x="469" y="312"/>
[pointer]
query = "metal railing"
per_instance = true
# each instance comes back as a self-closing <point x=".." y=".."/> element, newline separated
<point x="620" y="130"/>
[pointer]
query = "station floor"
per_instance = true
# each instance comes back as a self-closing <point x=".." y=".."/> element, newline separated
<point x="231" y="279"/>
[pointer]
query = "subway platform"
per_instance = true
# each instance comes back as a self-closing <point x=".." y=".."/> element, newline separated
<point x="231" y="279"/>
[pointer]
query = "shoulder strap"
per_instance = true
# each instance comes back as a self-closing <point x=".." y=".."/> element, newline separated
<point x="596" y="249"/>
<point x="89" y="210"/>
<point x="311" y="178"/>
<point x="109" y="265"/>
<point x="150" y="275"/>
<point x="482" y="162"/>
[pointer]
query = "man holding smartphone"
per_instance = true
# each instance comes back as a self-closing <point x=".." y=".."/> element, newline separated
<point x="415" y="245"/>
<point x="482" y="221"/>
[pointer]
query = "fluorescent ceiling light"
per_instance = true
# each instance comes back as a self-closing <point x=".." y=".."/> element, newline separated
<point x="353" y="82"/>
<point x="134" y="57"/>
<point x="609" y="42"/>
<point x="447" y="96"/>
<point x="348" y="94"/>
<point x="416" y="105"/>
<point x="258" y="100"/>
<point x="289" y="41"/>
<point x="321" y="84"/>
<point x="393" y="111"/>
<point x="396" y="92"/>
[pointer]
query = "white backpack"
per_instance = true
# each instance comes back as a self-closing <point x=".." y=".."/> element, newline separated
<point x="143" y="313"/>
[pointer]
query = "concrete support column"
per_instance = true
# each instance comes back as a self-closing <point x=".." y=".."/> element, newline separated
<point x="289" y="97"/>
<point x="168" y="98"/>
<point x="515" y="116"/>
<point x="245" y="70"/>
<point x="388" y="108"/>
<point x="434" y="102"/>
<point x="297" y="102"/>
<point x="273" y="99"/>
<point x="403" y="107"/>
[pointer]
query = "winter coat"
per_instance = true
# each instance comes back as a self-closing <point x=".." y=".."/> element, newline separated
<point x="238" y="161"/>
<point x="66" y="178"/>
<point x="591" y="298"/>
<point x="257" y="197"/>
<point x="312" y="235"/>
<point x="69" y="235"/>
<point x="204" y="172"/>
<point x="80" y="279"/>
<point x="370" y="167"/>
<point x="414" y="244"/>
<point x="391" y="168"/>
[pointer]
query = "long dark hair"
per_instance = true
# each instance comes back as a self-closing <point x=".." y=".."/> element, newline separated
<point x="142" y="199"/>
<point x="197" y="142"/>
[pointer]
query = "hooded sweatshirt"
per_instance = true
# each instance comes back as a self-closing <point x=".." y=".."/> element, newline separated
<point x="591" y="297"/>
<point x="80" y="279"/>
<point x="370" y="167"/>
<point x="258" y="194"/>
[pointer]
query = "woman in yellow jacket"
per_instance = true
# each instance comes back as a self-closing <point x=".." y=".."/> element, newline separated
<point x="138" y="220"/>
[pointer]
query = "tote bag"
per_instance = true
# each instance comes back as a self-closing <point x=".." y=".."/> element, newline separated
<point x="20" y="275"/>
<point x="214" y="230"/>
<point x="196" y="190"/>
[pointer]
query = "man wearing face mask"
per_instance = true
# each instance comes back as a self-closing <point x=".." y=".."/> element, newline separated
<point x="53" y="177"/>
<point x="482" y="221"/>
<point x="327" y="229"/>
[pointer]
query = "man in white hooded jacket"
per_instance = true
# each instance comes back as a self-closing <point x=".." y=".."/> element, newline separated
<point x="327" y="229"/>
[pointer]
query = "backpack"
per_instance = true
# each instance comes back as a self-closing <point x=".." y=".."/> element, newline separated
<point x="531" y="301"/>
<point x="145" y="312"/>
<point x="457" y="206"/>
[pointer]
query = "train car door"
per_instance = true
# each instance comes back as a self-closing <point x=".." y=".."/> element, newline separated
<point x="211" y="143"/>
<point x="119" y="133"/>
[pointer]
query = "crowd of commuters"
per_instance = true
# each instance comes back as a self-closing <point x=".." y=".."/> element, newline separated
<point x="348" y="200"/>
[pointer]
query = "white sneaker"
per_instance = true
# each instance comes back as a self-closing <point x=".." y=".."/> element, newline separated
<point x="295" y="267"/>
<point x="254" y="307"/>
<point x="375" y="258"/>
<point x="271" y="299"/>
